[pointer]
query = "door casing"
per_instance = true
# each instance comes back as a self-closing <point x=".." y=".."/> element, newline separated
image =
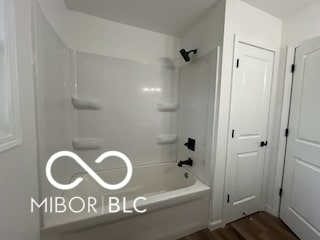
<point x="284" y="125"/>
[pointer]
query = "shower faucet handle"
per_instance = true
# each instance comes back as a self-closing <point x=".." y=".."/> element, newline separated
<point x="191" y="144"/>
<point x="188" y="162"/>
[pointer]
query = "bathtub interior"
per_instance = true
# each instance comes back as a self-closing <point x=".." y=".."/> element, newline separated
<point x="146" y="181"/>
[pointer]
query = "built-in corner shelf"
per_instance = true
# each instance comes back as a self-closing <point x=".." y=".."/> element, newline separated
<point x="86" y="103"/>
<point x="167" y="107"/>
<point x="166" y="139"/>
<point x="87" y="144"/>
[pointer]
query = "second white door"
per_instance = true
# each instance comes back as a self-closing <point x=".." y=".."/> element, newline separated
<point x="301" y="190"/>
<point x="250" y="103"/>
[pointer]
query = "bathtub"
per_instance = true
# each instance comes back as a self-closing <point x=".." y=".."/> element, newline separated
<point x="176" y="204"/>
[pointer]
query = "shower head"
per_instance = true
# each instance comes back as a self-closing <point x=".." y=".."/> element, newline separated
<point x="185" y="54"/>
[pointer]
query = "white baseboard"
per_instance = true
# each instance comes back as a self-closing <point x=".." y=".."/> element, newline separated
<point x="215" y="225"/>
<point x="271" y="210"/>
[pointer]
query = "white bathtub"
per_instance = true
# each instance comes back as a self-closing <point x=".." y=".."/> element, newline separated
<point x="176" y="202"/>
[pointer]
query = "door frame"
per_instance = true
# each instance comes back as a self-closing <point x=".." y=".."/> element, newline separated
<point x="244" y="40"/>
<point x="286" y="101"/>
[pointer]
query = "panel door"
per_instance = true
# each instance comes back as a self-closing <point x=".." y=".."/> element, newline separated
<point x="300" y="207"/>
<point x="251" y="89"/>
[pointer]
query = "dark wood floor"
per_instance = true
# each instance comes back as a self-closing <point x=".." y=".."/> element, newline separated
<point x="262" y="226"/>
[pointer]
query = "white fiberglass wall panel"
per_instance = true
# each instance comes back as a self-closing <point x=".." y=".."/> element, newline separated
<point x="196" y="112"/>
<point x="53" y="104"/>
<point x="129" y="120"/>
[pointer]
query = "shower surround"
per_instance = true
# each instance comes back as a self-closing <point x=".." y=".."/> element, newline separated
<point x="90" y="102"/>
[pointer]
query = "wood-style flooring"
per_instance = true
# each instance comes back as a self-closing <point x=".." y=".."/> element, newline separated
<point x="261" y="226"/>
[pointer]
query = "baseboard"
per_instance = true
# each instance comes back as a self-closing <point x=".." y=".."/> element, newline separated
<point x="271" y="210"/>
<point x="215" y="225"/>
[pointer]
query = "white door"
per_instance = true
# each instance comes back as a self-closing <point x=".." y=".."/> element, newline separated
<point x="250" y="103"/>
<point x="300" y="207"/>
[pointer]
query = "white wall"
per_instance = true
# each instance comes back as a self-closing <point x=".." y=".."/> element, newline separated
<point x="103" y="37"/>
<point x="302" y="26"/>
<point x="18" y="166"/>
<point x="207" y="33"/>
<point x="244" y="20"/>
<point x="100" y="36"/>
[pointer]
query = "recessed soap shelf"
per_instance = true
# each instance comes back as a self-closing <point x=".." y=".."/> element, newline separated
<point x="167" y="107"/>
<point x="87" y="143"/>
<point x="166" y="139"/>
<point x="86" y="103"/>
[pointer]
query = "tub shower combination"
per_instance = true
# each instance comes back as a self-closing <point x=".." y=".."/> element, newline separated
<point x="89" y="104"/>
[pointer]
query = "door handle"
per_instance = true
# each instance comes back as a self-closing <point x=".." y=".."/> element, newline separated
<point x="262" y="144"/>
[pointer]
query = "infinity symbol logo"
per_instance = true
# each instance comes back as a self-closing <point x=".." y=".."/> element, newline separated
<point x="91" y="172"/>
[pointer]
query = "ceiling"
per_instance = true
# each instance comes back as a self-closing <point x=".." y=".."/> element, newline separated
<point x="280" y="8"/>
<point x="171" y="17"/>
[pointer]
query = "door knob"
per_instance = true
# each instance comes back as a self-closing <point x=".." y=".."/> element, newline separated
<point x="262" y="144"/>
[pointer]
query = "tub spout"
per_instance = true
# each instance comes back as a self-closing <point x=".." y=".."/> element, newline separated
<point x="188" y="162"/>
